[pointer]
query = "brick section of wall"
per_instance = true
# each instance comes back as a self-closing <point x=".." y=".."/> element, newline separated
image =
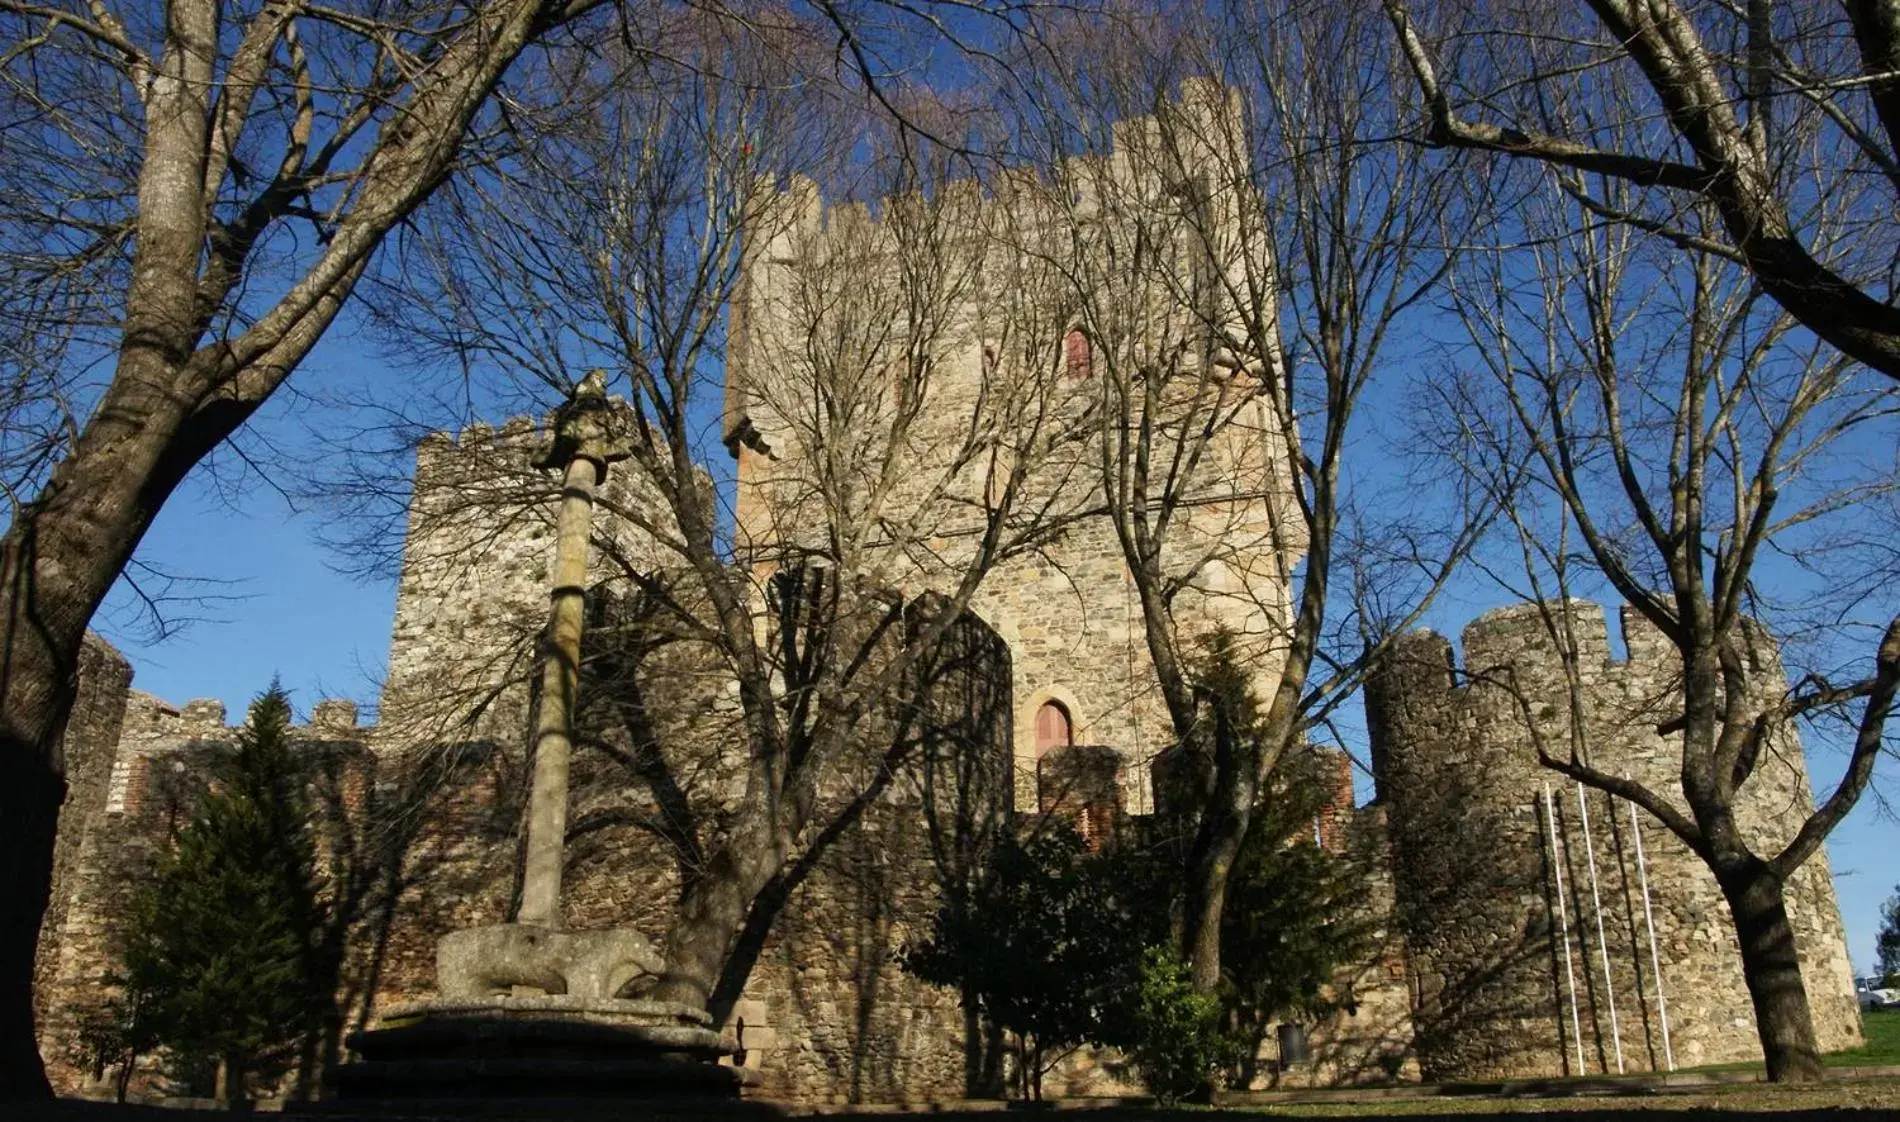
<point x="1337" y="818"/>
<point x="1082" y="783"/>
<point x="1477" y="869"/>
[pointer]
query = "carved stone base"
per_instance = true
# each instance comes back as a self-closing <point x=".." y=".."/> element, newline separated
<point x="509" y="958"/>
<point x="531" y="1013"/>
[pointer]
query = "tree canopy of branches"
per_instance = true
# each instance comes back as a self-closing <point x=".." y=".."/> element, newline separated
<point x="1781" y="120"/>
<point x="191" y="193"/>
<point x="1690" y="447"/>
<point x="1294" y="914"/>
<point x="1229" y="390"/>
<point x="643" y="229"/>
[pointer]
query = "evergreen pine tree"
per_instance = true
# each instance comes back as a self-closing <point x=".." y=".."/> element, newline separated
<point x="1295" y="911"/>
<point x="1049" y="945"/>
<point x="221" y="947"/>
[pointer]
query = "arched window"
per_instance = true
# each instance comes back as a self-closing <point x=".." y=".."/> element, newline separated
<point x="1077" y="358"/>
<point x="1053" y="727"/>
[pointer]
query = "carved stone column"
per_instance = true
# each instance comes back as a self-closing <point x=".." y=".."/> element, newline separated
<point x="586" y="440"/>
<point x="528" y="1010"/>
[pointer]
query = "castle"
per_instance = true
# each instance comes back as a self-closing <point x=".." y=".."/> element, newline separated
<point x="1515" y="940"/>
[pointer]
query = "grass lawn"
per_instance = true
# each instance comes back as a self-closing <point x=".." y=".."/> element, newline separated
<point x="1882" y="1030"/>
<point x="1841" y="1102"/>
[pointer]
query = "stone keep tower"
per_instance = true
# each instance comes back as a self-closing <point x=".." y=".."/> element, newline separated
<point x="894" y="369"/>
<point x="1509" y="972"/>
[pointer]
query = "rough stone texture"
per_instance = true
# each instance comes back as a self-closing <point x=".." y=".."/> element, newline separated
<point x="473" y="593"/>
<point x="88" y="749"/>
<point x="586" y="965"/>
<point x="826" y="1014"/>
<point x="1468" y="941"/>
<point x="992" y="358"/>
<point x="1477" y="876"/>
<point x="1368" y="1039"/>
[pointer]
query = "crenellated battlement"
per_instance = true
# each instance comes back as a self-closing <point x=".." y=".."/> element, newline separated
<point x="1199" y="130"/>
<point x="518" y="443"/>
<point x="181" y="740"/>
<point x="1490" y="847"/>
<point x="1530" y="640"/>
<point x="208" y="716"/>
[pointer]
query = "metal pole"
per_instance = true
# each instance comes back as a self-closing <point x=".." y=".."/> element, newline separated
<point x="1603" y="946"/>
<point x="1563" y="926"/>
<point x="1649" y="921"/>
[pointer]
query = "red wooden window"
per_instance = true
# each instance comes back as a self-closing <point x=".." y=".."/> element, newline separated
<point x="1077" y="359"/>
<point x="1053" y="728"/>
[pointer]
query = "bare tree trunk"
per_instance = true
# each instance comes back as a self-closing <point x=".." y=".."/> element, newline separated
<point x="171" y="401"/>
<point x="1207" y="899"/>
<point x="711" y="910"/>
<point x="1772" y="968"/>
<point x="57" y="562"/>
<point x="30" y="794"/>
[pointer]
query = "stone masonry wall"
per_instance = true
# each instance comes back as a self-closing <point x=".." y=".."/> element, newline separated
<point x="88" y="747"/>
<point x="1505" y="964"/>
<point x="935" y="411"/>
<point x="473" y="594"/>
<point x="1370" y="1038"/>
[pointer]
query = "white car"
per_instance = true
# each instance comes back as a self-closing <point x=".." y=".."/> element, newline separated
<point x="1873" y="993"/>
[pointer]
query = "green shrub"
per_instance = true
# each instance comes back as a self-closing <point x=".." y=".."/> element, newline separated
<point x="1179" y="1043"/>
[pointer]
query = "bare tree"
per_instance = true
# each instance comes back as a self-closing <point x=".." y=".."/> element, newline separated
<point x="1781" y="117"/>
<point x="1238" y="267"/>
<point x="816" y="368"/>
<point x="1697" y="452"/>
<point x="192" y="195"/>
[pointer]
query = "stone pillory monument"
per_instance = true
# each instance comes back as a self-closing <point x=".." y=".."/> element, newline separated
<point x="517" y="830"/>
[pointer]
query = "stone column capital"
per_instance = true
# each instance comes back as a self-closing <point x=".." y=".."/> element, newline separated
<point x="589" y="425"/>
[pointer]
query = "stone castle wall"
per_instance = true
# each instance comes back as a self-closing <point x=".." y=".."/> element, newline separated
<point x="68" y="931"/>
<point x="936" y="419"/>
<point x="826" y="1014"/>
<point x="1501" y="959"/>
<point x="940" y="328"/>
<point x="473" y="591"/>
<point x="1369" y="1039"/>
